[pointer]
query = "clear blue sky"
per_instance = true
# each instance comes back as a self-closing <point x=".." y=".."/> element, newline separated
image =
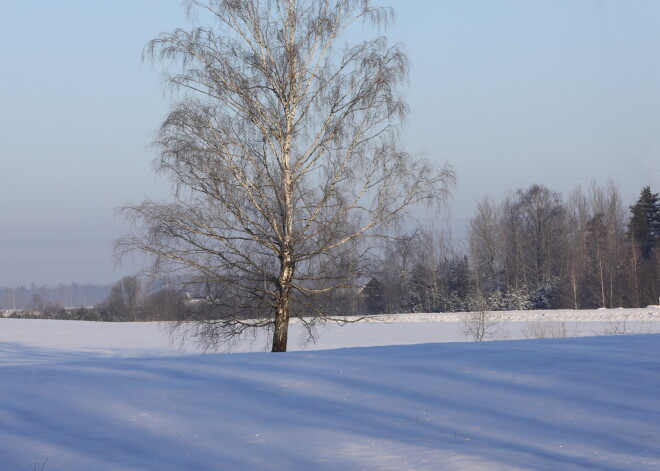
<point x="510" y="92"/>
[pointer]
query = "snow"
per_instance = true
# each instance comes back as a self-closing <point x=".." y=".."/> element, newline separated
<point x="383" y="394"/>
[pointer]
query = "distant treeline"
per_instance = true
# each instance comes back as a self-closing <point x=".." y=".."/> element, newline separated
<point x="38" y="297"/>
<point x="535" y="249"/>
<point x="129" y="299"/>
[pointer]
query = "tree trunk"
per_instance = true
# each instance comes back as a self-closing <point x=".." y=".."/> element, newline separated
<point x="287" y="264"/>
<point x="635" y="273"/>
<point x="280" y="336"/>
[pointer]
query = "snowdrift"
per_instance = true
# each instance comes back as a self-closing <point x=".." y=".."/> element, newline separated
<point x="91" y="396"/>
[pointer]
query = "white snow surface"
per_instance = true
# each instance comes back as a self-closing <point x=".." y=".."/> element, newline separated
<point x="386" y="393"/>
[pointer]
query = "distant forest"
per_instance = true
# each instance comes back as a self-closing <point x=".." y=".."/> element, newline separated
<point x="535" y="249"/>
<point x="38" y="297"/>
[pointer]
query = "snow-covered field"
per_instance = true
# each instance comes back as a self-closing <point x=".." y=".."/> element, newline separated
<point x="93" y="396"/>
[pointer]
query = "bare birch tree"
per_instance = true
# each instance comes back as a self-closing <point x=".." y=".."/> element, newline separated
<point x="578" y="215"/>
<point x="484" y="245"/>
<point x="284" y="154"/>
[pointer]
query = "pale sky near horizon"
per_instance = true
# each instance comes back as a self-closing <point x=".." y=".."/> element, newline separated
<point x="509" y="92"/>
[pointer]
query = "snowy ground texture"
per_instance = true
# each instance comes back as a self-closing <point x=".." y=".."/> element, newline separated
<point x="92" y="396"/>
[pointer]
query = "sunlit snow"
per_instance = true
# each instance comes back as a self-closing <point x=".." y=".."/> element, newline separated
<point x="94" y="396"/>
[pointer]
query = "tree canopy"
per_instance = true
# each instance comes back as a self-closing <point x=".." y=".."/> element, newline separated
<point x="284" y="153"/>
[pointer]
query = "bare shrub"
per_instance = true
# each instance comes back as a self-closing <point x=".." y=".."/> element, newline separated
<point x="545" y="329"/>
<point x="482" y="324"/>
<point x="624" y="327"/>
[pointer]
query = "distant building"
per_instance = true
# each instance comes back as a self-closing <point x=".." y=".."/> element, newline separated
<point x="372" y="297"/>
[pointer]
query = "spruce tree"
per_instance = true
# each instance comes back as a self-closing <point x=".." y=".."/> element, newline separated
<point x="644" y="226"/>
<point x="644" y="231"/>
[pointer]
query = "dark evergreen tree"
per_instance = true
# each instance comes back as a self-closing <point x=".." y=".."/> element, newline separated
<point x="459" y="283"/>
<point x="644" y="231"/>
<point x="644" y="226"/>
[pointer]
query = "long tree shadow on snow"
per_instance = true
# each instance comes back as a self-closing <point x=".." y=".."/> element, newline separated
<point x="304" y="410"/>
